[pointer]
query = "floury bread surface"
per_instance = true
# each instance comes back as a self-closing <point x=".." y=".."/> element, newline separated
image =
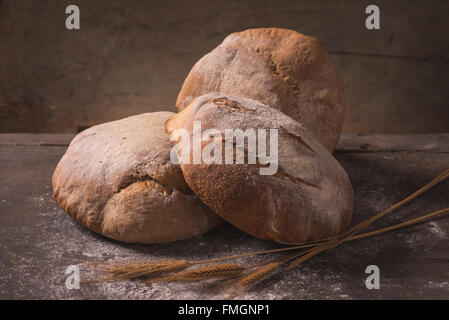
<point x="309" y="197"/>
<point x="278" y="67"/>
<point x="117" y="179"/>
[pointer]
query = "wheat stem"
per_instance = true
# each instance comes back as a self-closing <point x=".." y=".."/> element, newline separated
<point x="307" y="254"/>
<point x="358" y="227"/>
<point x="398" y="226"/>
<point x="173" y="270"/>
<point x="444" y="175"/>
<point x="344" y="236"/>
<point x="128" y="270"/>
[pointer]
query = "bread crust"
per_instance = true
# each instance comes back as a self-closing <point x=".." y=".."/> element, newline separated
<point x="278" y="67"/>
<point x="309" y="198"/>
<point x="117" y="179"/>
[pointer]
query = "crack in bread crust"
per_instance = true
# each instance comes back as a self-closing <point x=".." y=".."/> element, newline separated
<point x="224" y="102"/>
<point x="130" y="180"/>
<point x="296" y="180"/>
<point x="297" y="138"/>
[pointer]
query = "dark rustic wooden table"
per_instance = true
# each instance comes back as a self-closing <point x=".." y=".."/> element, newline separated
<point x="38" y="240"/>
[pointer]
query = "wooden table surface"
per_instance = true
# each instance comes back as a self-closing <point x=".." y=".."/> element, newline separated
<point x="38" y="240"/>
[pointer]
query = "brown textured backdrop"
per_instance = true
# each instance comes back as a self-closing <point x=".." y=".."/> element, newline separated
<point x="132" y="56"/>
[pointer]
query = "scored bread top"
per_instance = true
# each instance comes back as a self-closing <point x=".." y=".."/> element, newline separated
<point x="310" y="196"/>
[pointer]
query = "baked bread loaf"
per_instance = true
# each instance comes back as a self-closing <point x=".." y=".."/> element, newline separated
<point x="309" y="197"/>
<point x="117" y="179"/>
<point x="278" y="67"/>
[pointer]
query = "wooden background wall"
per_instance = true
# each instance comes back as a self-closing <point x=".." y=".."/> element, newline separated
<point x="132" y="56"/>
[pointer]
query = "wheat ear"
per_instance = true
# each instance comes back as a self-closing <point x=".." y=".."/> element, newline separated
<point x="249" y="280"/>
<point x="135" y="269"/>
<point x="223" y="270"/>
<point x="145" y="270"/>
<point x="149" y="270"/>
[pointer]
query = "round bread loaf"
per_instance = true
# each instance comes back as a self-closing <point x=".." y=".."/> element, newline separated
<point x="278" y="67"/>
<point x="308" y="197"/>
<point x="117" y="179"/>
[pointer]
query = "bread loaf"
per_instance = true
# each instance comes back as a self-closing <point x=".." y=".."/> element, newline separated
<point x="278" y="67"/>
<point x="117" y="179"/>
<point x="309" y="197"/>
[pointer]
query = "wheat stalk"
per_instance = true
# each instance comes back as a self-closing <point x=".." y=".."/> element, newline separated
<point x="223" y="270"/>
<point x="344" y="236"/>
<point x="249" y="280"/>
<point x="135" y="269"/>
<point x="243" y="277"/>
<point x="348" y="235"/>
<point x="303" y="256"/>
<point x="444" y="175"/>
<point x="143" y="270"/>
<point x="441" y="177"/>
<point x="398" y="226"/>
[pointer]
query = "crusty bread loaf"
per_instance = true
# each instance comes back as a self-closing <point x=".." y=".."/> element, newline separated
<point x="309" y="197"/>
<point x="117" y="179"/>
<point x="278" y="67"/>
